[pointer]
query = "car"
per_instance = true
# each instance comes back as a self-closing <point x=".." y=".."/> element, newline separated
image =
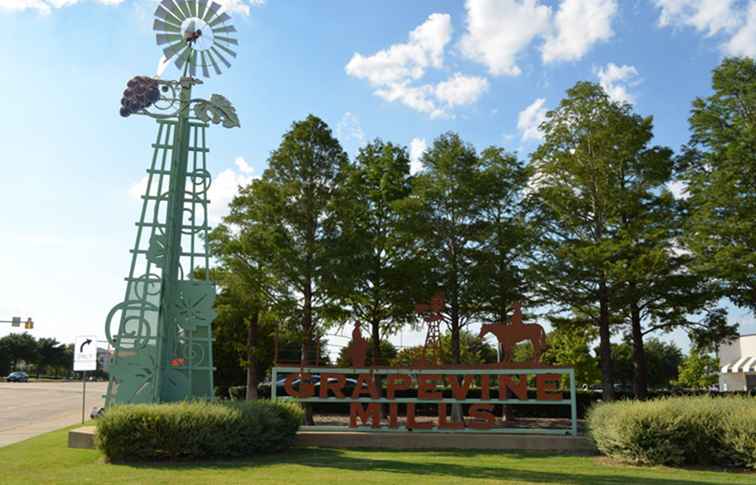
<point x="17" y="377"/>
<point x="264" y="388"/>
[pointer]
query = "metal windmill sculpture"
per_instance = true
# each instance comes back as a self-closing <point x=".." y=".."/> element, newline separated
<point x="161" y="333"/>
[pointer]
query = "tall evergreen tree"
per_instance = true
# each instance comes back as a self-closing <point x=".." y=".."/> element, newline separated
<point x="372" y="258"/>
<point x="719" y="168"/>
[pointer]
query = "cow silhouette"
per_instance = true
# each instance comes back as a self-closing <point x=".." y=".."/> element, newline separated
<point x="509" y="335"/>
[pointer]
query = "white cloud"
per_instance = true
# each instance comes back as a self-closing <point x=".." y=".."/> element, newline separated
<point x="409" y="60"/>
<point x="710" y="16"/>
<point x="417" y="148"/>
<point x="578" y="25"/>
<point x="498" y="30"/>
<point x="46" y="6"/>
<point x="243" y="166"/>
<point x="396" y="72"/>
<point x="240" y="6"/>
<point x="529" y="120"/>
<point x="224" y="188"/>
<point x="138" y="189"/>
<point x="616" y="80"/>
<point x="743" y="41"/>
<point x="349" y="129"/>
<point x="461" y="90"/>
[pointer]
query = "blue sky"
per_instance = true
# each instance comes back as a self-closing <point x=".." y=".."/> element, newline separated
<point x="403" y="71"/>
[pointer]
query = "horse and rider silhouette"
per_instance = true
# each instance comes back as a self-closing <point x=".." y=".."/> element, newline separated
<point x="509" y="335"/>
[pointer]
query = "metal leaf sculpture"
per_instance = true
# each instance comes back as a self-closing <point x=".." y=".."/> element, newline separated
<point x="217" y="110"/>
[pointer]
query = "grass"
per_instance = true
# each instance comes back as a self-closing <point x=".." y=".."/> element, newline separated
<point x="46" y="459"/>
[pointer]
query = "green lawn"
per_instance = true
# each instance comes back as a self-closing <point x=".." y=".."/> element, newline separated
<point x="46" y="459"/>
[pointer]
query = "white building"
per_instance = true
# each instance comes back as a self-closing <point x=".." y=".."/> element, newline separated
<point x="738" y="360"/>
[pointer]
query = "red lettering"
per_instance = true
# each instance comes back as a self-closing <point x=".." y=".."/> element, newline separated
<point x="373" y="411"/>
<point x="393" y="412"/>
<point x="460" y="392"/>
<point x="365" y="385"/>
<point x="482" y="412"/>
<point x="306" y="388"/>
<point x="485" y="387"/>
<point x="426" y="385"/>
<point x="546" y="387"/>
<point x="442" y="419"/>
<point x="336" y="387"/>
<point x="520" y="390"/>
<point x="411" y="423"/>
<point x="395" y="382"/>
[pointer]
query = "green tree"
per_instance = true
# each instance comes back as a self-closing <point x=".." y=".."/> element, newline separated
<point x="19" y="347"/>
<point x="447" y="216"/>
<point x="663" y="360"/>
<point x="577" y="197"/>
<point x="569" y="346"/>
<point x="297" y="194"/>
<point x="506" y="238"/>
<point x="372" y="258"/>
<point x="699" y="370"/>
<point x="719" y="168"/>
<point x="386" y="354"/>
<point x="50" y="354"/>
<point x="474" y="350"/>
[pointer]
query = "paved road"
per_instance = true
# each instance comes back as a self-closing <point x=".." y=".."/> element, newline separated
<point x="32" y="408"/>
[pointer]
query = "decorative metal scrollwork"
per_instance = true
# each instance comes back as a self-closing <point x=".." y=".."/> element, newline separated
<point x="217" y="110"/>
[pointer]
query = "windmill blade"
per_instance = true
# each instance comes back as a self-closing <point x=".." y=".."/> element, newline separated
<point x="227" y="40"/>
<point x="205" y="70"/>
<point x="201" y="6"/>
<point x="183" y="57"/>
<point x="173" y="49"/>
<point x="212" y="61"/>
<point x="159" y="26"/>
<point x="165" y="14"/>
<point x="220" y="56"/>
<point x="192" y="7"/>
<point x="224" y="29"/>
<point x="169" y="6"/>
<point x="184" y="8"/>
<point x="191" y="28"/>
<point x="224" y="17"/>
<point x="193" y="64"/>
<point x="210" y="11"/>
<point x="225" y="49"/>
<point x="167" y="38"/>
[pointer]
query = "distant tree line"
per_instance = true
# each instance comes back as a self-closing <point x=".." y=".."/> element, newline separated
<point x="586" y="229"/>
<point x="43" y="356"/>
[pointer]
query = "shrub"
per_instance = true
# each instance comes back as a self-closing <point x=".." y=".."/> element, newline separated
<point x="678" y="431"/>
<point x="176" y="431"/>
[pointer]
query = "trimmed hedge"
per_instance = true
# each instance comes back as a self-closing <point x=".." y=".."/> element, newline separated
<point x="712" y="431"/>
<point x="176" y="431"/>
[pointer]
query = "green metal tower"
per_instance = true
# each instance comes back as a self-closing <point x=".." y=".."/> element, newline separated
<point x="161" y="333"/>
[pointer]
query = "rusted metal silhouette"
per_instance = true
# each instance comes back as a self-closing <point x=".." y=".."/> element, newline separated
<point x="517" y="331"/>
<point x="432" y="315"/>
<point x="358" y="347"/>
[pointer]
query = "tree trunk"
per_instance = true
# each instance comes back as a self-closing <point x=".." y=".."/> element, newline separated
<point x="376" y="341"/>
<point x="307" y="343"/>
<point x="640" y="374"/>
<point x="251" y="361"/>
<point x="605" y="342"/>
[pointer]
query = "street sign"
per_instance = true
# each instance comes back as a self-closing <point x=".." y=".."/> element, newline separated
<point x="85" y="353"/>
<point x="16" y="322"/>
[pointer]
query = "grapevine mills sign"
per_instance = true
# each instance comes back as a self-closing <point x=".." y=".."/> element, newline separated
<point x="390" y="399"/>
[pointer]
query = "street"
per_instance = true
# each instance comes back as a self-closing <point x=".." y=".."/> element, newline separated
<point x="33" y="408"/>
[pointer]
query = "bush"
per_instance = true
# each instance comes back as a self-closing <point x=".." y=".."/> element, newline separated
<point x="700" y="430"/>
<point x="185" y="430"/>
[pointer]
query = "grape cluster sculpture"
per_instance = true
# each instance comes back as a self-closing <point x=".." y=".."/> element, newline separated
<point x="141" y="92"/>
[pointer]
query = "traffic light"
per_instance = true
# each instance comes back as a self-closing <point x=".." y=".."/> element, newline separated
<point x="29" y="324"/>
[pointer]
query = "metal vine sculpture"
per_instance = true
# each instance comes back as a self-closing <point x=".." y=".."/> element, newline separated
<point x="161" y="333"/>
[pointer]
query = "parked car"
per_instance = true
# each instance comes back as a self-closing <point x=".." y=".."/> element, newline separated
<point x="17" y="376"/>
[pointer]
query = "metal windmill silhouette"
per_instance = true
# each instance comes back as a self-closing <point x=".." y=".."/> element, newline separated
<point x="161" y="333"/>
